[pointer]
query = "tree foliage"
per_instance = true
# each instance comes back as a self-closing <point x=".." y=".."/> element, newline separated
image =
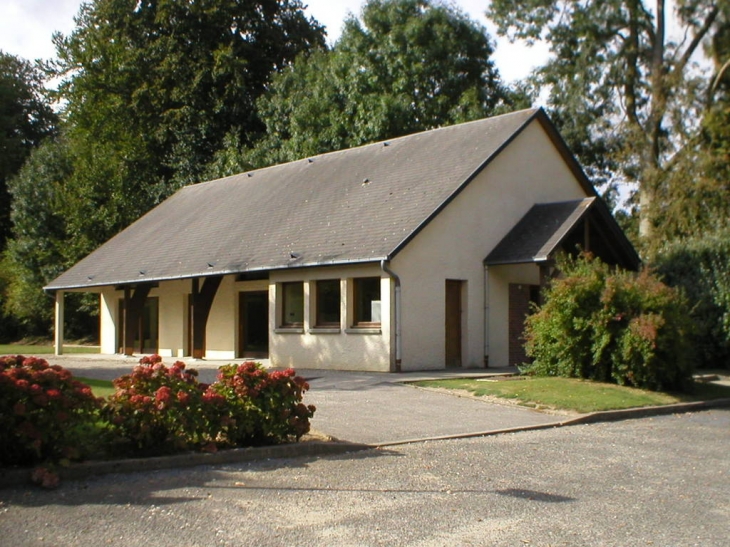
<point x="149" y="90"/>
<point x="627" y="96"/>
<point x="36" y="253"/>
<point x="699" y="266"/>
<point x="26" y="118"/>
<point x="165" y="81"/>
<point x="402" y="67"/>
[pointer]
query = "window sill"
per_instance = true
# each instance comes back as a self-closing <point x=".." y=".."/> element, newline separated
<point x="364" y="330"/>
<point x="289" y="330"/>
<point x="325" y="330"/>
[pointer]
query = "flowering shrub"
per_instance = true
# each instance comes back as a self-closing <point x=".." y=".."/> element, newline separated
<point x="157" y="409"/>
<point x="45" y="414"/>
<point x="611" y="326"/>
<point x="47" y="417"/>
<point x="257" y="406"/>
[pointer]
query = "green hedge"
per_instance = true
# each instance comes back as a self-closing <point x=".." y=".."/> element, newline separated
<point x="701" y="268"/>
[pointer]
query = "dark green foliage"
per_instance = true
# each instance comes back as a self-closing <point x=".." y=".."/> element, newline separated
<point x="611" y="326"/>
<point x="163" y="82"/>
<point x="404" y="66"/>
<point x="37" y="253"/>
<point x="26" y="118"/>
<point x="699" y="266"/>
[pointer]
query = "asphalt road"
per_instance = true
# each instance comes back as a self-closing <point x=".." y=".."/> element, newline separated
<point x="662" y="481"/>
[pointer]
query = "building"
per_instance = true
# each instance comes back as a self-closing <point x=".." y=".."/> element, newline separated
<point x="421" y="252"/>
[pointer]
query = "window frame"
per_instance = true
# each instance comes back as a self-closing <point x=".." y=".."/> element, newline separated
<point x="318" y="320"/>
<point x="286" y="300"/>
<point x="357" y="303"/>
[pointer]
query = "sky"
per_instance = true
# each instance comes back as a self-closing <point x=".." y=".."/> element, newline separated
<point x="26" y="28"/>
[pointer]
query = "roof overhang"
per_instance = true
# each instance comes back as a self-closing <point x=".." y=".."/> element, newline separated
<point x="549" y="227"/>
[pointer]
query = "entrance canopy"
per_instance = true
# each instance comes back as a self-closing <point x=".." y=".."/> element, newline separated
<point x="584" y="224"/>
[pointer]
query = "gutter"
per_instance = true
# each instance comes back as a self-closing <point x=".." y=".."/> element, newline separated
<point x="398" y="338"/>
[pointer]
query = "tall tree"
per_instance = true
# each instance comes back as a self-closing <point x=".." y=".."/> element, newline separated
<point x="176" y="77"/>
<point x="150" y="89"/>
<point x="619" y="85"/>
<point x="36" y="252"/>
<point x="26" y="118"/>
<point x="403" y="66"/>
<point x="704" y="205"/>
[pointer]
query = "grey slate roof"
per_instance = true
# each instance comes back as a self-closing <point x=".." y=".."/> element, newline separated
<point x="356" y="205"/>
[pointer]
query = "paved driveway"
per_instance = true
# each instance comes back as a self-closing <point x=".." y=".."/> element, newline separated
<point x="380" y="409"/>
<point x="372" y="408"/>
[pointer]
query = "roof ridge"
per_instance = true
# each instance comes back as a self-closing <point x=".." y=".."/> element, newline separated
<point x="250" y="173"/>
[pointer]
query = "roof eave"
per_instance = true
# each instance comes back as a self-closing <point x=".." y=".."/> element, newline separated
<point x="159" y="279"/>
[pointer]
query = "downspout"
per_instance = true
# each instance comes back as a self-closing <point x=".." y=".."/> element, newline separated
<point x="398" y="343"/>
<point x="486" y="316"/>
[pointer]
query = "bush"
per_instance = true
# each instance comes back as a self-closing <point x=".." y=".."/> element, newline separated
<point x="611" y="326"/>
<point x="45" y="415"/>
<point x="157" y="409"/>
<point x="261" y="407"/>
<point x="699" y="267"/>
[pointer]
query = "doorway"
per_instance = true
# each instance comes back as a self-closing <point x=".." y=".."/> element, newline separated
<point x="453" y="323"/>
<point x="146" y="331"/>
<point x="253" y="324"/>
<point x="521" y="300"/>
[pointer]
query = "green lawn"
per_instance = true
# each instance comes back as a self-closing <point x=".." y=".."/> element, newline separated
<point x="23" y="349"/>
<point x="101" y="388"/>
<point x="576" y="395"/>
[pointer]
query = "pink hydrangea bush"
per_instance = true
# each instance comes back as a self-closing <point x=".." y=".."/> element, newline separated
<point x="261" y="407"/>
<point x="45" y="415"/>
<point x="157" y="409"/>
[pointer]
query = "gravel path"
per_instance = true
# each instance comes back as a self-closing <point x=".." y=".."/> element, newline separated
<point x="661" y="481"/>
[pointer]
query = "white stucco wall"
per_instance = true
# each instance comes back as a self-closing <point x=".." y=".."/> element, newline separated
<point x="173" y="297"/>
<point x="344" y="348"/>
<point x="108" y="313"/>
<point x="455" y="243"/>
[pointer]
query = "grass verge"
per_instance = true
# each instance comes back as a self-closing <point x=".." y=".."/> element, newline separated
<point x="575" y="395"/>
<point x="100" y="388"/>
<point x="24" y="349"/>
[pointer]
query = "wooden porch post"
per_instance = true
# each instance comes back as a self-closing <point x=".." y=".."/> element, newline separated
<point x="58" y="323"/>
<point x="133" y="307"/>
<point x="202" y="299"/>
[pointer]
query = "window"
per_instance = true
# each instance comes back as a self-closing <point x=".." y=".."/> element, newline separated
<point x="366" y="292"/>
<point x="328" y="303"/>
<point x="292" y="305"/>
